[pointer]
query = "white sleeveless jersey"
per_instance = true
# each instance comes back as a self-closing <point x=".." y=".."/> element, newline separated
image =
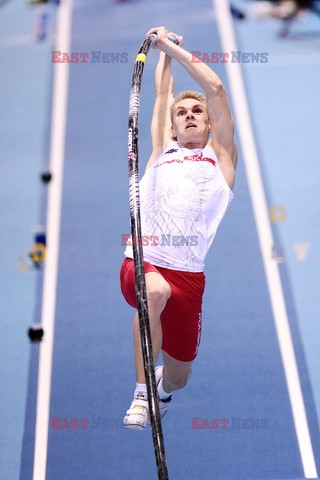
<point x="184" y="197"/>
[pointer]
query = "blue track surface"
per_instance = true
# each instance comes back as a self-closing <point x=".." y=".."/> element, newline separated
<point x="238" y="375"/>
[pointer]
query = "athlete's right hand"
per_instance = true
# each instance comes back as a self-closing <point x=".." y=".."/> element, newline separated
<point x="177" y="37"/>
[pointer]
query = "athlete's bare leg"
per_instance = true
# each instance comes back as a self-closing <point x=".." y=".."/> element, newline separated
<point x="175" y="373"/>
<point x="158" y="293"/>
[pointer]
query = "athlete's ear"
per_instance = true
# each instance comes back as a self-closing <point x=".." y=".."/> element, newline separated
<point x="173" y="133"/>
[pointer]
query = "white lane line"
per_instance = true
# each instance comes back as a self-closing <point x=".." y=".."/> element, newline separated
<point x="57" y="152"/>
<point x="250" y="155"/>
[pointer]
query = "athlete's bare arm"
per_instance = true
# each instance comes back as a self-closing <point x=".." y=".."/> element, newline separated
<point x="164" y="90"/>
<point x="221" y="120"/>
<point x="160" y="124"/>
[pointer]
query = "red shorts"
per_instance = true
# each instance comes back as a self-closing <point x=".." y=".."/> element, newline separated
<point x="181" y="318"/>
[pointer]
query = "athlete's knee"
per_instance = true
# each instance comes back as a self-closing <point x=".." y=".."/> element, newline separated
<point x="177" y="380"/>
<point x="158" y="294"/>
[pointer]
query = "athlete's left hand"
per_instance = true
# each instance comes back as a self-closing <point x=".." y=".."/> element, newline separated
<point x="162" y="34"/>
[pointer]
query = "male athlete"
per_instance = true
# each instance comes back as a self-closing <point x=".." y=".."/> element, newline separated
<point x="185" y="192"/>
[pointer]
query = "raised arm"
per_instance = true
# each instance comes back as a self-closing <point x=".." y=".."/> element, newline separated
<point x="160" y="124"/>
<point x="164" y="90"/>
<point x="221" y="120"/>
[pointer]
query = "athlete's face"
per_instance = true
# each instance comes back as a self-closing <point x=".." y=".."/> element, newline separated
<point x="191" y="123"/>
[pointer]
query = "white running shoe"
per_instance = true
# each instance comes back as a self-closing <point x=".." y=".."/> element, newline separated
<point x="137" y="415"/>
<point x="163" y="404"/>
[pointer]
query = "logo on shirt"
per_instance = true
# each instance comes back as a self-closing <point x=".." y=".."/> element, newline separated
<point x="173" y="150"/>
<point x="198" y="157"/>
